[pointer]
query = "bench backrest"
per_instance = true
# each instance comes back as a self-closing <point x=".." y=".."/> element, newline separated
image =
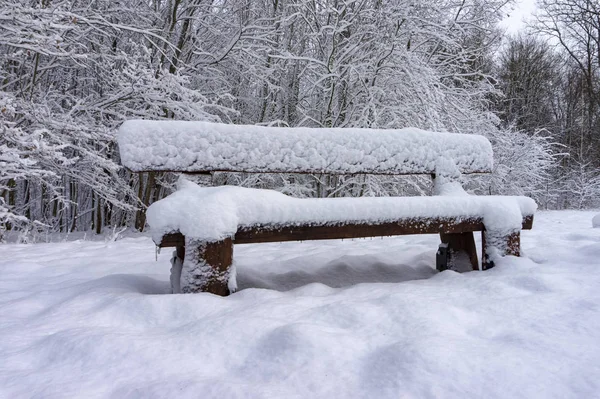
<point x="200" y="147"/>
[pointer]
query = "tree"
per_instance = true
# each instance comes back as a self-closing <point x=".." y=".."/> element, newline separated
<point x="575" y="26"/>
<point x="74" y="70"/>
<point x="528" y="77"/>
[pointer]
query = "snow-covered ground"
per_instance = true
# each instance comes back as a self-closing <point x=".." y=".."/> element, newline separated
<point x="330" y="319"/>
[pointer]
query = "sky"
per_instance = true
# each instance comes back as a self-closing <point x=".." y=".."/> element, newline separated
<point x="516" y="20"/>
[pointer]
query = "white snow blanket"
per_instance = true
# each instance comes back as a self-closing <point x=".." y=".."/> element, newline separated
<point x="349" y="319"/>
<point x="213" y="213"/>
<point x="204" y="146"/>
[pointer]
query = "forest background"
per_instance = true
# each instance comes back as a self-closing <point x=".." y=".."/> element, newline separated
<point x="72" y="71"/>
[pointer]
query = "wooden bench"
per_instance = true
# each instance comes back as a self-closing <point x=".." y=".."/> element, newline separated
<point x="186" y="220"/>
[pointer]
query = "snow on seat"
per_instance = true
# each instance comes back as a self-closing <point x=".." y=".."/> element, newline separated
<point x="215" y="213"/>
<point x="182" y="146"/>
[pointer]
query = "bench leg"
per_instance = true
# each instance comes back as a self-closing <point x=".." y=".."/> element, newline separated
<point x="494" y="244"/>
<point x="459" y="245"/>
<point x="207" y="266"/>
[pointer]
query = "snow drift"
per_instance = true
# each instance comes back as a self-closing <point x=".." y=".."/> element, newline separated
<point x="92" y="320"/>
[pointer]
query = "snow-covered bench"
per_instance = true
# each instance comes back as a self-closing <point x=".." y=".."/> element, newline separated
<point x="203" y="223"/>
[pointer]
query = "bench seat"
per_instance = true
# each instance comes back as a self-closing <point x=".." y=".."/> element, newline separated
<point x="203" y="223"/>
<point x="214" y="213"/>
<point x="333" y="231"/>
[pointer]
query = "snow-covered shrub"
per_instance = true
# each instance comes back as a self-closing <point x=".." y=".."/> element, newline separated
<point x="522" y="163"/>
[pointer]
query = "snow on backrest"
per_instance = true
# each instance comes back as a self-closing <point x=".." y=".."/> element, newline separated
<point x="203" y="146"/>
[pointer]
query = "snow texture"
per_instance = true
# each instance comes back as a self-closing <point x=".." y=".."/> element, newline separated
<point x="214" y="213"/>
<point x="596" y="221"/>
<point x="196" y="274"/>
<point x="204" y="146"/>
<point x="320" y="319"/>
<point x="176" y="266"/>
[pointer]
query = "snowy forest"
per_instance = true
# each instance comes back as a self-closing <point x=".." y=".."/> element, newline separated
<point x="72" y="71"/>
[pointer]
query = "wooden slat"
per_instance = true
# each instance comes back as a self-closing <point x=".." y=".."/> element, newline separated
<point x="528" y="222"/>
<point x="218" y="256"/>
<point x="297" y="172"/>
<point x="257" y="234"/>
<point x="331" y="232"/>
<point x="172" y="240"/>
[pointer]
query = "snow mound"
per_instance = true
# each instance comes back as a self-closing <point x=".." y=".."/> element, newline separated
<point x="92" y="320"/>
<point x="214" y="213"/>
<point x="204" y="146"/>
<point x="596" y="221"/>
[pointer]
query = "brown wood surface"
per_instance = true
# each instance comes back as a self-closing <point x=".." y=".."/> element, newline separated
<point x="508" y="245"/>
<point x="528" y="222"/>
<point x="250" y="235"/>
<point x="513" y="244"/>
<point x="267" y="233"/>
<point x="301" y="172"/>
<point x="219" y="256"/>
